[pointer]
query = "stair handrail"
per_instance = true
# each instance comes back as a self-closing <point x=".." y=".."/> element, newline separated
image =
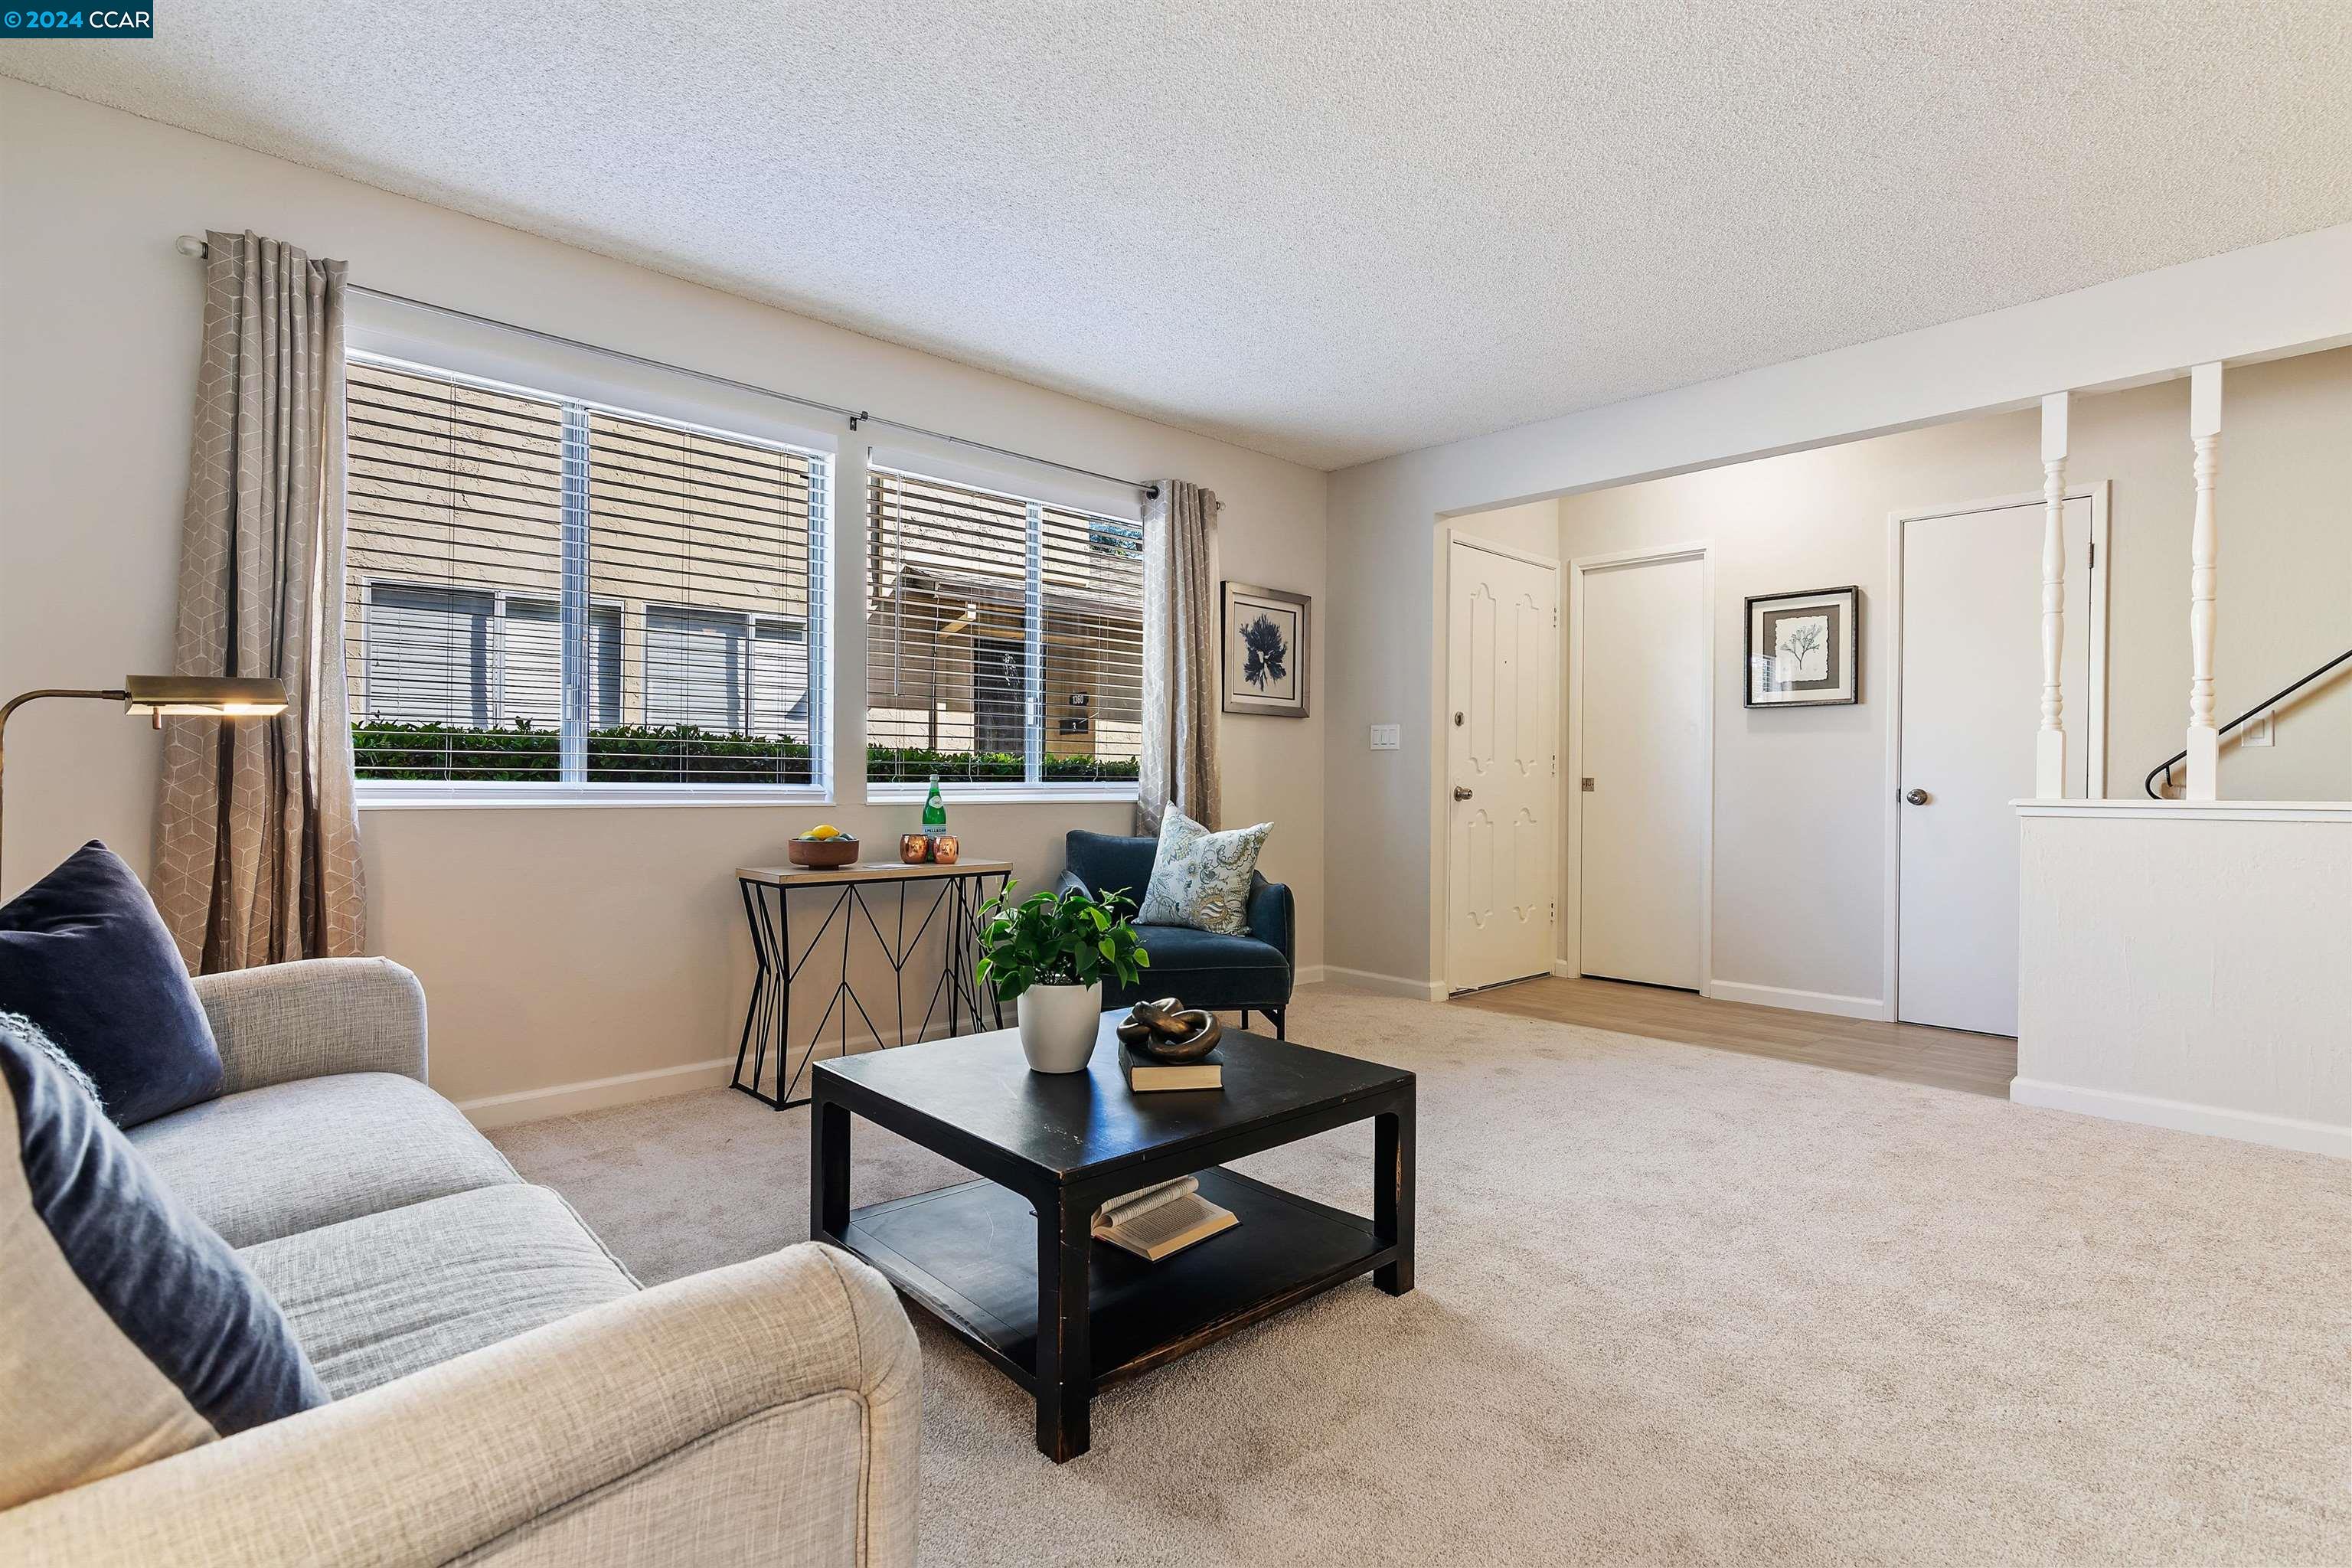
<point x="2265" y="705"/>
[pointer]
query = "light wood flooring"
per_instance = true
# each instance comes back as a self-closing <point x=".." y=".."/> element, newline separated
<point x="1944" y="1059"/>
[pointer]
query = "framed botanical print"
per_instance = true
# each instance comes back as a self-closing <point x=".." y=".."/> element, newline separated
<point x="1264" y="651"/>
<point x="1804" y="650"/>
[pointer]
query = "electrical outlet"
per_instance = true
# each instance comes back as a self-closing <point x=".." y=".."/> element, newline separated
<point x="1386" y="737"/>
<point x="2256" y="731"/>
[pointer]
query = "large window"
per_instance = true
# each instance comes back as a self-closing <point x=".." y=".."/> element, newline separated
<point x="547" y="591"/>
<point x="1004" y="640"/>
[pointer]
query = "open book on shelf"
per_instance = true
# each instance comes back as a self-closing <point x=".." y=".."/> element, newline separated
<point x="1157" y="1221"/>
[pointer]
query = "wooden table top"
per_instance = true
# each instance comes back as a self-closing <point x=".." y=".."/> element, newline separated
<point x="865" y="871"/>
<point x="1068" y="1124"/>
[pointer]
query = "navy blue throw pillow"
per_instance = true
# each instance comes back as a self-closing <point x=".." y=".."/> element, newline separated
<point x="113" y="1282"/>
<point x="84" y="955"/>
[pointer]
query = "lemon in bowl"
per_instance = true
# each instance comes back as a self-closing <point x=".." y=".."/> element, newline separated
<point x="823" y="846"/>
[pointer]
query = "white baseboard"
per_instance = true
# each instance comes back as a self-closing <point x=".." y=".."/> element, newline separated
<point x="2180" y="1116"/>
<point x="1828" y="1002"/>
<point x="1307" y="974"/>
<point x="1387" y="985"/>
<point x="628" y="1087"/>
<point x="659" y="1083"/>
<point x="595" y="1094"/>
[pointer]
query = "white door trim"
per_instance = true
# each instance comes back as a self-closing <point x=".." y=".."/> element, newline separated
<point x="1572" y="925"/>
<point x="1454" y="536"/>
<point x="2092" y="733"/>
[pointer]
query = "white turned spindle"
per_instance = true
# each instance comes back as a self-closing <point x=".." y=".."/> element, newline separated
<point x="2205" y="436"/>
<point x="2050" y="743"/>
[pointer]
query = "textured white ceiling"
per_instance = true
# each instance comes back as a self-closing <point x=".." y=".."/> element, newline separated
<point x="1329" y="231"/>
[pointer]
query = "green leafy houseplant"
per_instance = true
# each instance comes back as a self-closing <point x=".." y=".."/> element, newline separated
<point x="1065" y="939"/>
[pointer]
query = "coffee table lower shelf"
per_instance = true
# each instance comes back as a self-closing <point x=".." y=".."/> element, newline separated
<point x="968" y="1254"/>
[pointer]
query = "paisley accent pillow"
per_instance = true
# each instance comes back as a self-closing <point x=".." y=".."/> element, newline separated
<point x="1201" y="878"/>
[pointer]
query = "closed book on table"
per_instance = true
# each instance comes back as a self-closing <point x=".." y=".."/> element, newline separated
<point x="1144" y="1075"/>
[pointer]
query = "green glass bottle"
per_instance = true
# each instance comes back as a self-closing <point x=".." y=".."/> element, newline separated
<point x="935" y="811"/>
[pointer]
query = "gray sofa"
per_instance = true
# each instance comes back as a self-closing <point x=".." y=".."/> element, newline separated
<point x="502" y="1391"/>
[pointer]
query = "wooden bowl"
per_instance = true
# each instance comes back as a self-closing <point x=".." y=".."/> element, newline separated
<point x="821" y="853"/>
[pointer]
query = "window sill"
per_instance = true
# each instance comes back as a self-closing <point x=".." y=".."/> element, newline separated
<point x="403" y="794"/>
<point x="1120" y="792"/>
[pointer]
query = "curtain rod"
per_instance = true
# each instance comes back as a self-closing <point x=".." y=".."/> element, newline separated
<point x="192" y="246"/>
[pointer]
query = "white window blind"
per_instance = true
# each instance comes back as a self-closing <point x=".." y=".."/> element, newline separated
<point x="544" y="591"/>
<point x="1004" y="637"/>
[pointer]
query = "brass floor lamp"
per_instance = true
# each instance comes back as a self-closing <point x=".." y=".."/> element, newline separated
<point x="198" y="696"/>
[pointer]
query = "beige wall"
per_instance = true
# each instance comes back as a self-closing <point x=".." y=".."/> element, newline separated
<point x="2284" y="594"/>
<point x="2216" y="998"/>
<point x="1799" y="794"/>
<point x="2263" y="302"/>
<point x="1533" y="528"/>
<point x="557" y="945"/>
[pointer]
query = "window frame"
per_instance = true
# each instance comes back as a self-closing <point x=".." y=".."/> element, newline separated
<point x="369" y="582"/>
<point x="1037" y="737"/>
<point x="494" y="793"/>
<point x="747" y="668"/>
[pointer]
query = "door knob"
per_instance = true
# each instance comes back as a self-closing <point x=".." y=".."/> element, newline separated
<point x="1461" y="793"/>
<point x="1917" y="797"/>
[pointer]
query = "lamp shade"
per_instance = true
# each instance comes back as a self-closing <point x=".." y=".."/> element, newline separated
<point x="213" y="696"/>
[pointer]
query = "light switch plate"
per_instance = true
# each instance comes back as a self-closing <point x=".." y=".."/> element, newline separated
<point x="2256" y="731"/>
<point x="1386" y="737"/>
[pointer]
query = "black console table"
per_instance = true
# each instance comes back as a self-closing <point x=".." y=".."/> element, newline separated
<point x="957" y="891"/>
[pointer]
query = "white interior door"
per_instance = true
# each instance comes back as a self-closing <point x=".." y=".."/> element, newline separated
<point x="1971" y="672"/>
<point x="1642" y="739"/>
<point x="1502" y="671"/>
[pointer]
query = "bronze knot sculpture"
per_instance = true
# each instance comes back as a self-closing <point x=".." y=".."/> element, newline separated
<point x="1168" y="1033"/>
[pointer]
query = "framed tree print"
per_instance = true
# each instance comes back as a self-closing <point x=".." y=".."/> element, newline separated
<point x="1804" y="650"/>
<point x="1265" y="653"/>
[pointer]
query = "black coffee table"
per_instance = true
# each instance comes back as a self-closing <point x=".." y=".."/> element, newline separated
<point x="1008" y="1262"/>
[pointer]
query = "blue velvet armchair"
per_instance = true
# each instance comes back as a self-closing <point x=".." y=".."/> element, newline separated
<point x="1247" y="974"/>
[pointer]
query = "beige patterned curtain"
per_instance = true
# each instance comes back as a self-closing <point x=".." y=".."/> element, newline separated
<point x="1179" y="765"/>
<point x="257" y="840"/>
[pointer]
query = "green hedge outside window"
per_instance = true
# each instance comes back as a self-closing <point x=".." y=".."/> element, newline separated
<point x="524" y="753"/>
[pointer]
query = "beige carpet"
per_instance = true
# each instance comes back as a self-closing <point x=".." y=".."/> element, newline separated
<point x="1674" y="1305"/>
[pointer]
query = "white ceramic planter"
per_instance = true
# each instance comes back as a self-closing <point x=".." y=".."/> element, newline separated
<point x="1058" y="1025"/>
